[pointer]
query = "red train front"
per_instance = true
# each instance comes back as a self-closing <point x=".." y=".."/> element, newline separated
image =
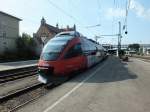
<point x="65" y="53"/>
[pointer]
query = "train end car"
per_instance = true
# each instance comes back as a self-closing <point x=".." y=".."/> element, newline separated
<point x="67" y="52"/>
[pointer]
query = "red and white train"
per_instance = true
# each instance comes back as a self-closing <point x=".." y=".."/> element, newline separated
<point x="67" y="52"/>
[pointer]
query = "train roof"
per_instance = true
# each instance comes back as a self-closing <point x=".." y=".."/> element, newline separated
<point x="71" y="33"/>
<point x="75" y="34"/>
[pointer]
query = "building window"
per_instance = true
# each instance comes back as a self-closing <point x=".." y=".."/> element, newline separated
<point x="4" y="34"/>
<point x="1" y="34"/>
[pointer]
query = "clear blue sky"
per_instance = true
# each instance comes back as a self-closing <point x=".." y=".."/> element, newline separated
<point x="85" y="13"/>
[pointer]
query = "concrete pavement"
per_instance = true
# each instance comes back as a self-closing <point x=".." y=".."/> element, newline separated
<point x="17" y="64"/>
<point x="112" y="86"/>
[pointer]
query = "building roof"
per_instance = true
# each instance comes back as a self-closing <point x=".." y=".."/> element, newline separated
<point x="52" y="28"/>
<point x="57" y="30"/>
<point x="10" y="16"/>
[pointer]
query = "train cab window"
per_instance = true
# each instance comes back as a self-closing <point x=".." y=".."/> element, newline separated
<point x="51" y="56"/>
<point x="74" y="51"/>
<point x="51" y="51"/>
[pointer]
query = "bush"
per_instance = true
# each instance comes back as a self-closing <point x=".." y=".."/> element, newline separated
<point x="26" y="47"/>
<point x="25" y="50"/>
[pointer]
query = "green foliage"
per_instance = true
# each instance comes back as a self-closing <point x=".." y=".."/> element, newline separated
<point x="25" y="50"/>
<point x="26" y="46"/>
<point x="25" y="42"/>
<point x="122" y="52"/>
<point x="134" y="47"/>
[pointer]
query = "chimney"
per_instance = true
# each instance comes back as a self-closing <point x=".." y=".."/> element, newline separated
<point x="57" y="26"/>
<point x="43" y="21"/>
<point x="67" y="27"/>
<point x="74" y="27"/>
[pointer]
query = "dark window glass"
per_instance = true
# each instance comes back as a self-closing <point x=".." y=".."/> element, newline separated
<point x="50" y="56"/>
<point x="74" y="51"/>
<point x="51" y="51"/>
<point x="53" y="48"/>
<point x="4" y="34"/>
<point x="56" y="44"/>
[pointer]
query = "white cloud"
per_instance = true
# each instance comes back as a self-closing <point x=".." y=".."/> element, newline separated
<point x="111" y="12"/>
<point x="139" y="9"/>
<point x="135" y="7"/>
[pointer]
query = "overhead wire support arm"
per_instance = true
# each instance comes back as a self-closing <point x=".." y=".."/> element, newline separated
<point x="93" y="26"/>
<point x="109" y="35"/>
<point x="102" y="36"/>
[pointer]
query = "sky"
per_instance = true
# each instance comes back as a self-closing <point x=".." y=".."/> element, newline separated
<point x="86" y="13"/>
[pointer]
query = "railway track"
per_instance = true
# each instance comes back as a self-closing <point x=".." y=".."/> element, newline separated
<point x="14" y="74"/>
<point x="24" y="95"/>
<point x="14" y="100"/>
<point x="4" y="99"/>
<point x="18" y="92"/>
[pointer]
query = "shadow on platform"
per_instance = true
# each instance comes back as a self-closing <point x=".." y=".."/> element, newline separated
<point x="114" y="70"/>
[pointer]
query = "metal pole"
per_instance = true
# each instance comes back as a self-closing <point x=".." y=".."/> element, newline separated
<point x="119" y="39"/>
<point x="120" y="36"/>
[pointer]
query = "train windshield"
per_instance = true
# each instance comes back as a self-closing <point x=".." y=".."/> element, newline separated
<point x="53" y="48"/>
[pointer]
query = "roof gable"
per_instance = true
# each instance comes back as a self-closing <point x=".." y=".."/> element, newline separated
<point x="52" y="28"/>
<point x="10" y="16"/>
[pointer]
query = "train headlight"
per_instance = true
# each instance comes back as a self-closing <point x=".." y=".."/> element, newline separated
<point x="46" y="64"/>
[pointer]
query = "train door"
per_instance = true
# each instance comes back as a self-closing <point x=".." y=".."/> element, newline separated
<point x="74" y="59"/>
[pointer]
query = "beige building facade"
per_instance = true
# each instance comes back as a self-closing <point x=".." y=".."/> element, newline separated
<point x="9" y="31"/>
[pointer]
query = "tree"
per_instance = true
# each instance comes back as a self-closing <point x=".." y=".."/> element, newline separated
<point x="134" y="47"/>
<point x="26" y="46"/>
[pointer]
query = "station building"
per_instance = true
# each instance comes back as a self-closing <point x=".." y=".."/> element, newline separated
<point x="46" y="32"/>
<point x="145" y="49"/>
<point x="9" y="31"/>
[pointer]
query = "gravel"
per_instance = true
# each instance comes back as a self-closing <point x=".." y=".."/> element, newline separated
<point x="22" y="99"/>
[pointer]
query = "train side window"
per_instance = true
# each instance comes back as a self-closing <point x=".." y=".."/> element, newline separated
<point x="74" y="51"/>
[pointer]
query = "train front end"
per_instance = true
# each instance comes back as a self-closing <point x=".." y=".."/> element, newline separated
<point x="44" y="72"/>
<point x="50" y="63"/>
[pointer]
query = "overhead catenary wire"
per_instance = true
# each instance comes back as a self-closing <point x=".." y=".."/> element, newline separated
<point x="72" y="17"/>
<point x="124" y="5"/>
<point x="126" y="16"/>
<point x="63" y="11"/>
<point x="68" y="15"/>
<point x="99" y="10"/>
<point x="114" y="19"/>
<point x="128" y="5"/>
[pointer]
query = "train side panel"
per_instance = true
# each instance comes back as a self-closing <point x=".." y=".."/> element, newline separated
<point x="78" y="53"/>
<point x="93" y="52"/>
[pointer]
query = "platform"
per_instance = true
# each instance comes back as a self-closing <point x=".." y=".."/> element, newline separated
<point x="18" y="64"/>
<point x="111" y="86"/>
